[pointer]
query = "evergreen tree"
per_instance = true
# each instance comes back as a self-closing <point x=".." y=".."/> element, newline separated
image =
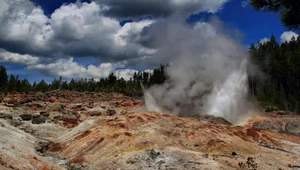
<point x="289" y="10"/>
<point x="3" y="79"/>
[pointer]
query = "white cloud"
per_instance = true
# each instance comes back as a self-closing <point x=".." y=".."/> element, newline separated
<point x="287" y="36"/>
<point x="68" y="68"/>
<point x="126" y="74"/>
<point x="75" y="29"/>
<point x="264" y="40"/>
<point x="31" y="38"/>
<point x="15" y="58"/>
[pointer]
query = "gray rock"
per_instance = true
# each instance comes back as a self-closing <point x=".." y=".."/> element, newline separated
<point x="272" y="126"/>
<point x="28" y="129"/>
<point x="58" y="117"/>
<point x="57" y="108"/>
<point x="96" y="113"/>
<point x="110" y="112"/>
<point x="16" y="122"/>
<point x="44" y="113"/>
<point x="213" y="119"/>
<point x="38" y="120"/>
<point x="281" y="112"/>
<point x="8" y="116"/>
<point x="293" y="127"/>
<point x="26" y="117"/>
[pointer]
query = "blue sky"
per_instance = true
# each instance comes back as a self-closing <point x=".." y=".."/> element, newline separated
<point x="252" y="25"/>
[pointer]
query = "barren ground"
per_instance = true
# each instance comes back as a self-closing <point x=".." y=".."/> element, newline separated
<point x="70" y="130"/>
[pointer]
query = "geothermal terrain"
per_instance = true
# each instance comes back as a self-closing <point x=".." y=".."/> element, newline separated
<point x="94" y="131"/>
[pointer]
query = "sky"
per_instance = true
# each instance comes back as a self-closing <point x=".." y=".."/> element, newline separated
<point x="43" y="39"/>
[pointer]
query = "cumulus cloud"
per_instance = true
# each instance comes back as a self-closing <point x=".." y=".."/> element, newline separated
<point x="16" y="58"/>
<point x="264" y="40"/>
<point x="76" y="30"/>
<point x="158" y="8"/>
<point x="126" y="74"/>
<point x="287" y="36"/>
<point x="68" y="68"/>
<point x="31" y="38"/>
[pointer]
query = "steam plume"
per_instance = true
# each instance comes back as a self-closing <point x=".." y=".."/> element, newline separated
<point x="206" y="71"/>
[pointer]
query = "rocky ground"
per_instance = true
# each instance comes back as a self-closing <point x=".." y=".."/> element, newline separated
<point x="70" y="130"/>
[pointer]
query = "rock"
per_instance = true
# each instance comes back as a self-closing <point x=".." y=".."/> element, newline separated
<point x="57" y="117"/>
<point x="56" y="108"/>
<point x="44" y="113"/>
<point x="153" y="154"/>
<point x="5" y="116"/>
<point x="42" y="146"/>
<point x="213" y="119"/>
<point x="28" y="129"/>
<point x="38" y="120"/>
<point x="96" y="113"/>
<point x="234" y="154"/>
<point x="26" y="117"/>
<point x="281" y="112"/>
<point x="16" y="122"/>
<point x="8" y="116"/>
<point x="293" y="127"/>
<point x="268" y="125"/>
<point x="205" y="156"/>
<point x="110" y="112"/>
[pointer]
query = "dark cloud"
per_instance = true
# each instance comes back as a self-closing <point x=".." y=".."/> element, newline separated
<point x="158" y="8"/>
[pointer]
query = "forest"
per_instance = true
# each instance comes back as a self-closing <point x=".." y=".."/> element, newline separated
<point x="274" y="78"/>
<point x="108" y="84"/>
<point x="277" y="78"/>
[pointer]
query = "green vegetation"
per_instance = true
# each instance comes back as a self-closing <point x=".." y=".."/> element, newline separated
<point x="277" y="78"/>
<point x="110" y="84"/>
<point x="289" y="10"/>
<point x="274" y="80"/>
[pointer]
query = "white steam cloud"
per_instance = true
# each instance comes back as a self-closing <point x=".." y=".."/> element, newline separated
<point x="206" y="71"/>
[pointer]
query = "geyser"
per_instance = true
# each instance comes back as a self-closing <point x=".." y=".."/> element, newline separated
<point x="228" y="100"/>
<point x="206" y="70"/>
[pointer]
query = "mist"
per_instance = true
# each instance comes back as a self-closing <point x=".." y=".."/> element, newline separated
<point x="206" y="70"/>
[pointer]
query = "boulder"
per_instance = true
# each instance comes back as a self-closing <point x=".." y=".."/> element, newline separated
<point x="110" y="112"/>
<point x="26" y="117"/>
<point x="44" y="113"/>
<point x="272" y="126"/>
<point x="213" y="119"/>
<point x="96" y="113"/>
<point x="293" y="127"/>
<point x="56" y="108"/>
<point x="281" y="112"/>
<point x="38" y="120"/>
<point x="16" y="122"/>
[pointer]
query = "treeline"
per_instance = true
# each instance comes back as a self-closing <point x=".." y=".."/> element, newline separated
<point x="109" y="84"/>
<point x="275" y="83"/>
<point x="279" y="83"/>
